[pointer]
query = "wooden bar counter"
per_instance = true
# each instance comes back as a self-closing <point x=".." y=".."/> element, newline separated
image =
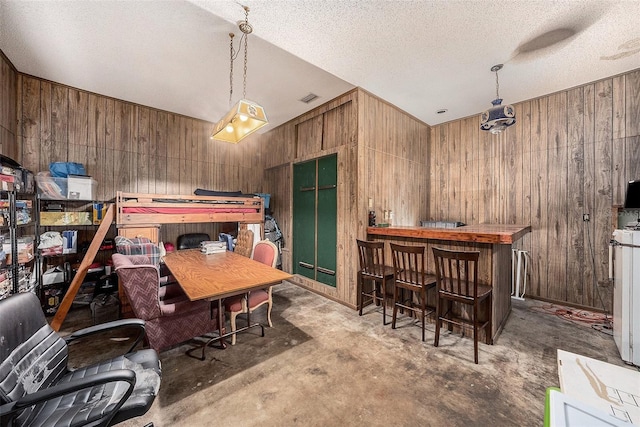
<point x="494" y="241"/>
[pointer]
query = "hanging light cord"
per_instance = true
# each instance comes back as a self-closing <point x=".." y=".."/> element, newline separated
<point x="497" y="86"/>
<point x="246" y="44"/>
<point x="231" y="35"/>
<point x="246" y="29"/>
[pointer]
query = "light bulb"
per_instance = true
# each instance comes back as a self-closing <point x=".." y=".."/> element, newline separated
<point x="229" y="128"/>
<point x="243" y="118"/>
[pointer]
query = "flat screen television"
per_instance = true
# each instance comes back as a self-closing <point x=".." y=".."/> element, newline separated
<point x="632" y="198"/>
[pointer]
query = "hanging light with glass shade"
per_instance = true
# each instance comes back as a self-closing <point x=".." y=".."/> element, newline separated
<point x="245" y="117"/>
<point x="499" y="117"/>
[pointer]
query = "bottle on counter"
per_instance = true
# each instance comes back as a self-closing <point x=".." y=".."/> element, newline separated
<point x="372" y="218"/>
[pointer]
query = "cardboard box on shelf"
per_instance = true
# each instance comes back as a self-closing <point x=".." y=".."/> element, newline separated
<point x="25" y="249"/>
<point x="70" y="241"/>
<point x="99" y="210"/>
<point x="65" y="218"/>
<point x="81" y="187"/>
<point x="53" y="276"/>
<point x="7" y="182"/>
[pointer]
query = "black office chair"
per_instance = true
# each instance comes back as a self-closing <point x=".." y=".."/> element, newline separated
<point x="191" y="240"/>
<point x="38" y="388"/>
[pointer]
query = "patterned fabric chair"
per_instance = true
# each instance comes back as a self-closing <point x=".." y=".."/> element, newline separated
<point x="138" y="246"/>
<point x="244" y="245"/>
<point x="267" y="253"/>
<point x="169" y="315"/>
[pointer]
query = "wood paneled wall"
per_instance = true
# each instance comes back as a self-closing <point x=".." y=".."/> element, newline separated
<point x="328" y="129"/>
<point x="381" y="154"/>
<point x="393" y="163"/>
<point x="569" y="153"/>
<point x="8" y="114"/>
<point x="130" y="147"/>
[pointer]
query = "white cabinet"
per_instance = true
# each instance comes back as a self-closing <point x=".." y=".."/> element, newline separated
<point x="626" y="294"/>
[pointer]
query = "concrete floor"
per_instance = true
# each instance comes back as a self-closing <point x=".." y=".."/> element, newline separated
<point x="323" y="365"/>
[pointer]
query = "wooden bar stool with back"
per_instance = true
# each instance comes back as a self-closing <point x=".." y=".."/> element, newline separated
<point x="409" y="263"/>
<point x="457" y="281"/>
<point x="373" y="269"/>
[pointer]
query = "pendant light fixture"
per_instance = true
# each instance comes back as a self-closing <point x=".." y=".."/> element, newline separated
<point x="245" y="117"/>
<point x="499" y="117"/>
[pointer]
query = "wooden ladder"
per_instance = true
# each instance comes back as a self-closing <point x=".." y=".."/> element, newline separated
<point x="98" y="238"/>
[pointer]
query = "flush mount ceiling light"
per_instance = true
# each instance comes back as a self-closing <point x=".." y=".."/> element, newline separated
<point x="499" y="117"/>
<point x="245" y="117"/>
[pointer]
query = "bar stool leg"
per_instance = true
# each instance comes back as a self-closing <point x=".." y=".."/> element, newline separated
<point x="395" y="307"/>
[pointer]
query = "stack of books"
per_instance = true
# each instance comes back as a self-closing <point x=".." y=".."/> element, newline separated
<point x="212" y="247"/>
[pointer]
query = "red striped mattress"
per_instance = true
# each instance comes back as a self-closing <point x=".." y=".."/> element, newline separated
<point x="188" y="210"/>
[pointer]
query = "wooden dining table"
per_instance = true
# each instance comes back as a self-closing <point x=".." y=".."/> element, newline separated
<point x="214" y="277"/>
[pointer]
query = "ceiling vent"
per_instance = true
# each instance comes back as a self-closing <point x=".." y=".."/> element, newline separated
<point x="311" y="97"/>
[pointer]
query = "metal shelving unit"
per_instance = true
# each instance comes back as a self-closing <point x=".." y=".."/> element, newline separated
<point x="75" y="215"/>
<point x="19" y="275"/>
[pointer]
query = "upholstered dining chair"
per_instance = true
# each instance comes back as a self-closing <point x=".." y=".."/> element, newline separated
<point x="374" y="270"/>
<point x="409" y="264"/>
<point x="191" y="240"/>
<point x="244" y="243"/>
<point x="38" y="386"/>
<point x="267" y="253"/>
<point x="170" y="316"/>
<point x="457" y="281"/>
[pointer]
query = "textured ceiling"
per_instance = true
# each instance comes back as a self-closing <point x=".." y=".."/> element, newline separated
<point x="421" y="56"/>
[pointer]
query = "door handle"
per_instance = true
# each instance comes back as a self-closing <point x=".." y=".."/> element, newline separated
<point x="307" y="188"/>
<point x="305" y="265"/>
<point x="326" y="271"/>
<point x="327" y="187"/>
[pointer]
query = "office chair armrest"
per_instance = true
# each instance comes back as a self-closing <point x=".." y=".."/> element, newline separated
<point x="117" y="375"/>
<point x="108" y="326"/>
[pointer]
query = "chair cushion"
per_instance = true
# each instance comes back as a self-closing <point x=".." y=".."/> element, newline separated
<point x="466" y="293"/>
<point x="234" y="304"/>
<point x="387" y="271"/>
<point x="32" y="355"/>
<point x="90" y="404"/>
<point x="429" y="280"/>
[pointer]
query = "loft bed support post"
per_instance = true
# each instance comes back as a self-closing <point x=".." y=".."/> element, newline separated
<point x="87" y="260"/>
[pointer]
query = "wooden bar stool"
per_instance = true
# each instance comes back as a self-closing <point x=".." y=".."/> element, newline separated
<point x="457" y="281"/>
<point x="409" y="263"/>
<point x="374" y="269"/>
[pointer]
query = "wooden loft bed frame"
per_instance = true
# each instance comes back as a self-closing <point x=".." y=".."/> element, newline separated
<point x="144" y="210"/>
<point x="142" y="214"/>
<point x="140" y="209"/>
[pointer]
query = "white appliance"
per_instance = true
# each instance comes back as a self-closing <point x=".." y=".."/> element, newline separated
<point x="626" y="294"/>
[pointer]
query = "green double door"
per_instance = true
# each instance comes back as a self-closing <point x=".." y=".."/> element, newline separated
<point x="314" y="219"/>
